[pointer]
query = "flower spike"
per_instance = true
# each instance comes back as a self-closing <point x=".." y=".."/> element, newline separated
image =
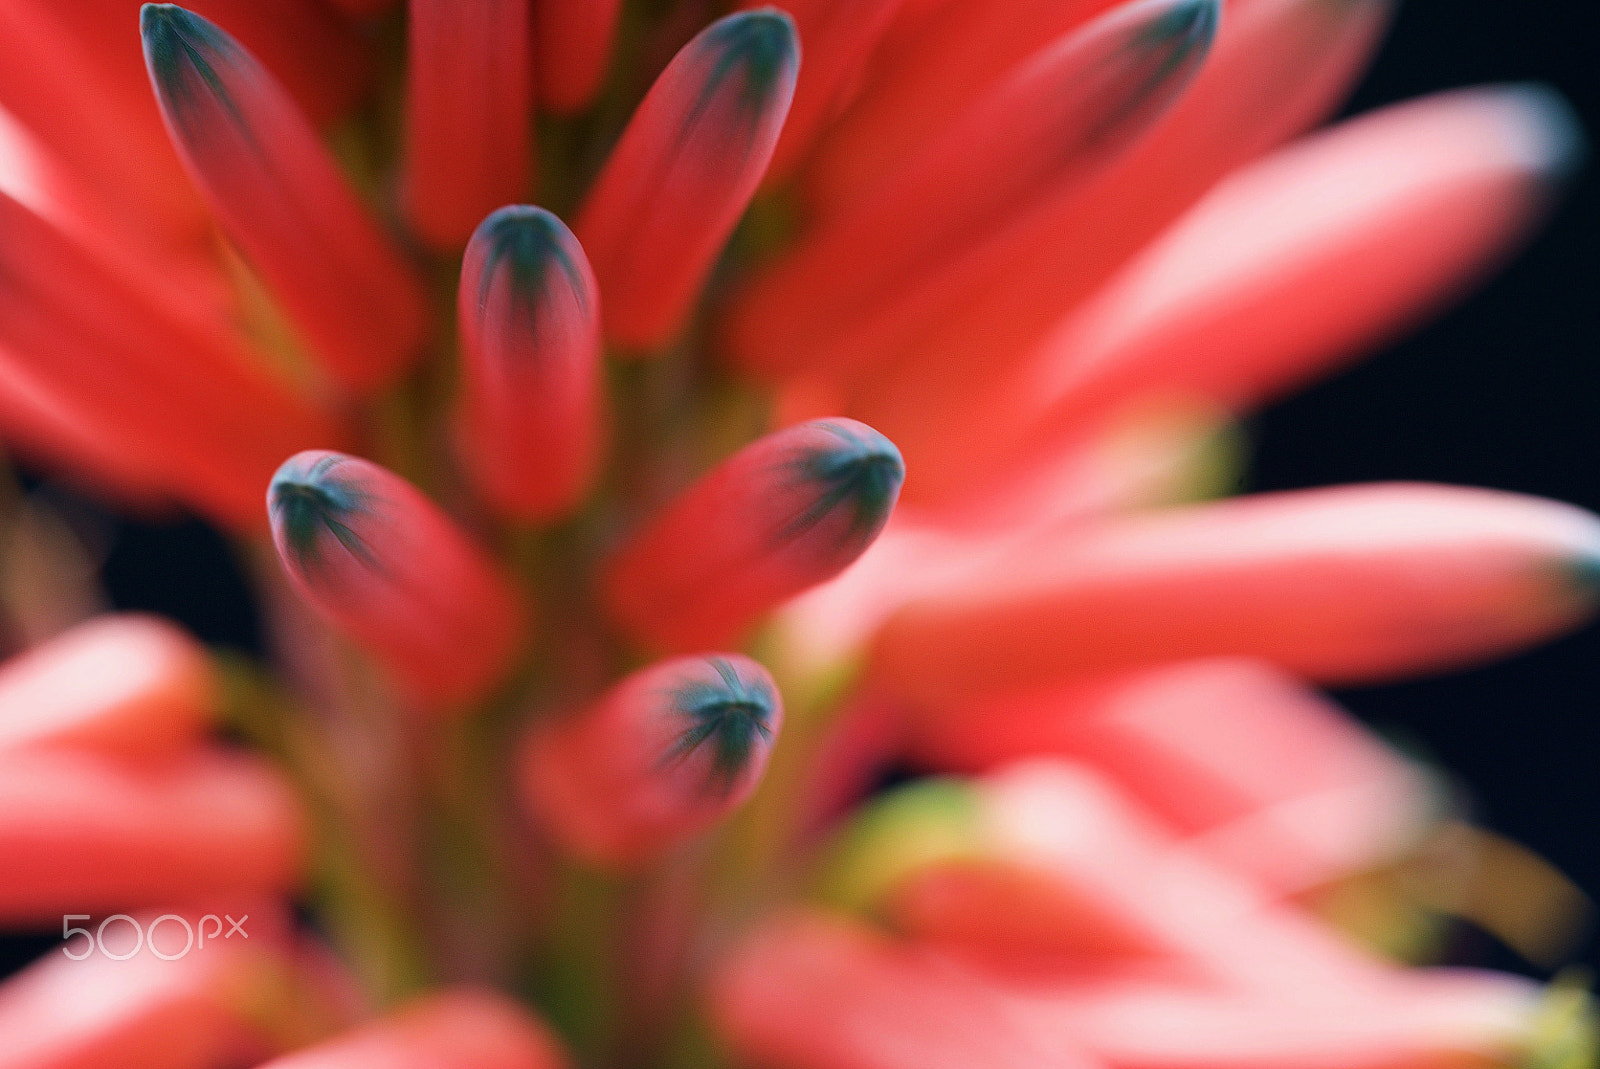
<point x="529" y="315"/>
<point x="1045" y="131"/>
<point x="281" y="197"/>
<point x="688" y="163"/>
<point x="469" y="112"/>
<point x="664" y="754"/>
<point x="1343" y="585"/>
<point x="126" y="683"/>
<point x="785" y="513"/>
<point x="387" y="567"/>
<point x="572" y="43"/>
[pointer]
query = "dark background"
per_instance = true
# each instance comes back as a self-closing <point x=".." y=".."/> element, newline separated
<point x="1500" y="392"/>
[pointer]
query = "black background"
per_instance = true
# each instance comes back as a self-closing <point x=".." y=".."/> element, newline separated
<point x="1500" y="392"/>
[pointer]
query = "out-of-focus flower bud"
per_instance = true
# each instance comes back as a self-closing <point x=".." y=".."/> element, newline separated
<point x="664" y="754"/>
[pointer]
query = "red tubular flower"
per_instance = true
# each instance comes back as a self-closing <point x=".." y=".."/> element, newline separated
<point x="387" y="567"/>
<point x="1389" y="213"/>
<point x="839" y="38"/>
<point x="195" y="1011"/>
<point x="786" y="512"/>
<point x="102" y="834"/>
<point x="464" y="1028"/>
<point x="102" y="346"/>
<point x="278" y="194"/>
<point x="686" y="167"/>
<point x="469" y="109"/>
<point x="1276" y="68"/>
<point x="1342" y="585"/>
<point x="572" y="43"/>
<point x="131" y="685"/>
<point x="1035" y="138"/>
<point x="529" y="314"/>
<point x="663" y="755"/>
<point x="1271" y="779"/>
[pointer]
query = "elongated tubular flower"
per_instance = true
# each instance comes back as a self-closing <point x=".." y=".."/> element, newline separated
<point x="282" y="199"/>
<point x="1035" y="138"/>
<point x="103" y="833"/>
<point x="663" y="755"/>
<point x="127" y="684"/>
<point x="386" y="566"/>
<point x="1286" y="268"/>
<point x="192" y="1011"/>
<point x="98" y="343"/>
<point x="571" y="46"/>
<point x="1276" y="68"/>
<point x="1259" y="769"/>
<point x="786" y="512"/>
<point x="1340" y="585"/>
<point x="684" y="170"/>
<point x="468" y="114"/>
<point x="529" y="312"/>
<point x="463" y="1027"/>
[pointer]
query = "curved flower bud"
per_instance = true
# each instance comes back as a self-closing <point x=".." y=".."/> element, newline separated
<point x="1043" y="132"/>
<point x="183" y="400"/>
<point x="688" y="163"/>
<point x="786" y="512"/>
<point x="1277" y="67"/>
<point x="664" y="754"/>
<point x="103" y="834"/>
<point x="1345" y="585"/>
<point x="572" y="42"/>
<point x="469" y="114"/>
<point x="127" y="684"/>
<point x="839" y="36"/>
<point x="281" y="197"/>
<point x="465" y="1028"/>
<point x="529" y="315"/>
<point x="924" y="76"/>
<point x="387" y="567"/>
<point x="1393" y="212"/>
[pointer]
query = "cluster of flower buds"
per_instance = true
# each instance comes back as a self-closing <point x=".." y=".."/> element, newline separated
<point x="584" y="356"/>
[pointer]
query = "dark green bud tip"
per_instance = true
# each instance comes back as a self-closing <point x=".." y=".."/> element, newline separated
<point x="307" y="498"/>
<point x="763" y="46"/>
<point x="861" y="471"/>
<point x="732" y="714"/>
<point x="527" y="241"/>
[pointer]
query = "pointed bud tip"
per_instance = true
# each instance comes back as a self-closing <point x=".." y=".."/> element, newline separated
<point x="304" y="500"/>
<point x="528" y="239"/>
<point x="765" y="41"/>
<point x="862" y="468"/>
<point x="1545" y="130"/>
<point x="731" y="716"/>
<point x="1186" y="27"/>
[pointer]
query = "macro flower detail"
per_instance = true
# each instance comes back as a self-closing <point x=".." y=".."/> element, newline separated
<point x="743" y="576"/>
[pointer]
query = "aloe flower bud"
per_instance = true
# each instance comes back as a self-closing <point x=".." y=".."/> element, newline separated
<point x="386" y="566"/>
<point x="529" y="313"/>
<point x="1352" y="584"/>
<point x="686" y="166"/>
<point x="1036" y="138"/>
<point x="125" y="684"/>
<point x="102" y="834"/>
<point x="663" y="755"/>
<point x="465" y="1028"/>
<point x="572" y="44"/>
<point x="469" y="111"/>
<point x="786" y="512"/>
<point x="127" y="360"/>
<point x="281" y="197"/>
